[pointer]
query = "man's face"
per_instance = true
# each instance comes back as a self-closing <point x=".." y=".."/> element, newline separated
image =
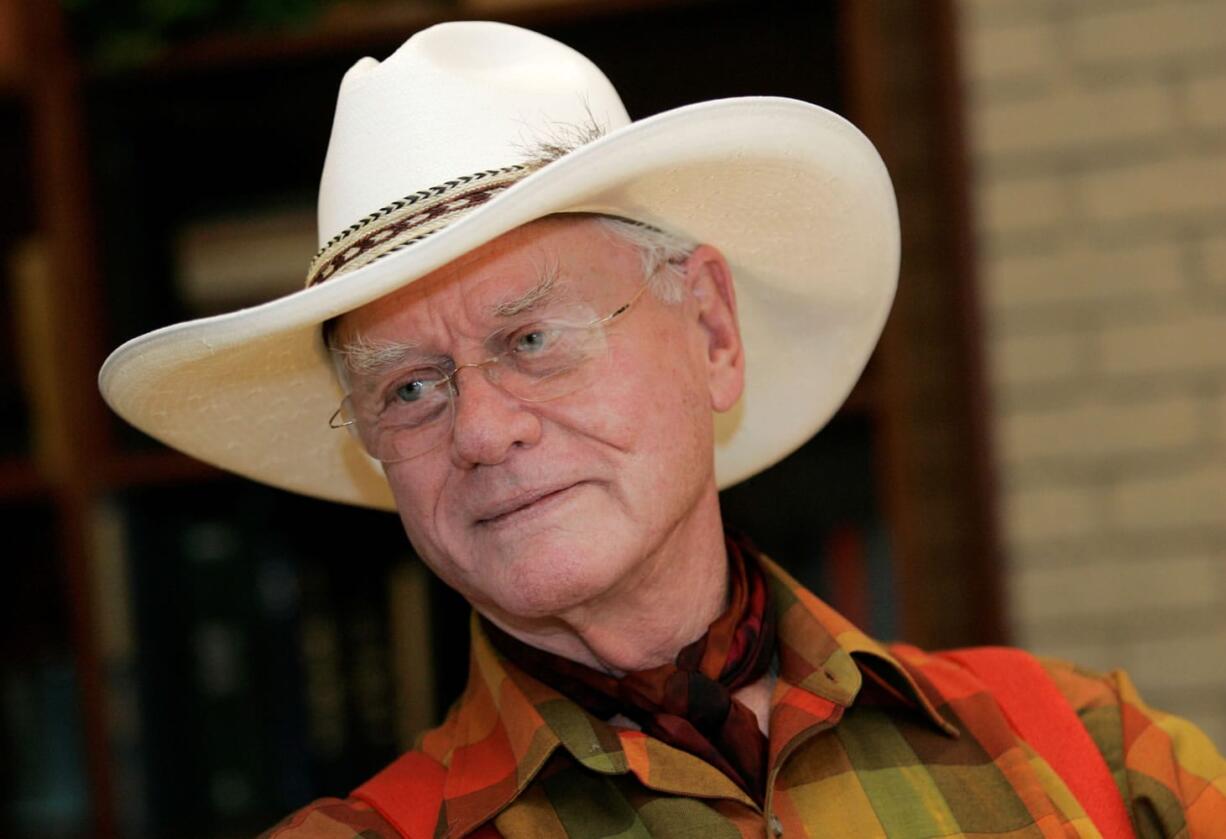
<point x="530" y="509"/>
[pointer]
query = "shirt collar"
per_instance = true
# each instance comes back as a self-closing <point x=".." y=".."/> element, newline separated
<point x="824" y="654"/>
<point x="507" y="724"/>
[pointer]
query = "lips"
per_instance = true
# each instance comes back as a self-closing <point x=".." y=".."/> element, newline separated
<point x="509" y="508"/>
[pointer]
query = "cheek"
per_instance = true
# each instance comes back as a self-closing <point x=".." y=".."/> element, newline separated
<point x="417" y="493"/>
<point x="670" y="424"/>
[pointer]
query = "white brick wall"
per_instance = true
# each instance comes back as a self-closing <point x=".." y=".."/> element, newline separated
<point x="1050" y="514"/>
<point x="1011" y="52"/>
<point x="1213" y="250"/>
<point x="1178" y="189"/>
<point x="1098" y="135"/>
<point x="1187" y="339"/>
<point x="1066" y="119"/>
<point x="1038" y="361"/>
<point x="1034" y="205"/>
<point x="1189" y="496"/>
<point x="1206" y="102"/>
<point x="1137" y="38"/>
<point x="1068" y="273"/>
<point x="1100" y="429"/>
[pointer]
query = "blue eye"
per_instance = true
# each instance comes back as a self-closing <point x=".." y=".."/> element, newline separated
<point x="532" y="341"/>
<point x="411" y="391"/>
<point x="417" y="387"/>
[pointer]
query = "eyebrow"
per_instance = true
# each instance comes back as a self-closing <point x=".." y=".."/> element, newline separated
<point x="543" y="292"/>
<point x="374" y="357"/>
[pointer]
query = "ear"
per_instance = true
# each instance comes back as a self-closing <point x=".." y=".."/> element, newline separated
<point x="708" y="281"/>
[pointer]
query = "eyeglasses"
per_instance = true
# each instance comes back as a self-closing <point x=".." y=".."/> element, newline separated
<point x="412" y="411"/>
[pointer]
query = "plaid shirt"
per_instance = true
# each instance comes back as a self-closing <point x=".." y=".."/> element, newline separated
<point x="861" y="744"/>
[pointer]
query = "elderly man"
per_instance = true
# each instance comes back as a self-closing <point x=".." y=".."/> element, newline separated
<point x="553" y="336"/>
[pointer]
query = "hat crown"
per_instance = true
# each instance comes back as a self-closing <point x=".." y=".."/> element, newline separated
<point x="453" y="100"/>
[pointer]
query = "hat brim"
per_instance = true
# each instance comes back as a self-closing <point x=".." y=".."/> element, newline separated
<point x="795" y="196"/>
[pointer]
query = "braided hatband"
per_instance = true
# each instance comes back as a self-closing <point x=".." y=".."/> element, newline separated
<point x="409" y="220"/>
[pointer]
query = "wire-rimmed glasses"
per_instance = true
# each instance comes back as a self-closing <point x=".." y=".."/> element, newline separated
<point x="411" y="411"/>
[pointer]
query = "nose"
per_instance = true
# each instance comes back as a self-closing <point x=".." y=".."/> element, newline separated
<point x="489" y="422"/>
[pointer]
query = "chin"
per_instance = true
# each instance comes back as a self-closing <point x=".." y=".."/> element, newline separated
<point x="544" y="578"/>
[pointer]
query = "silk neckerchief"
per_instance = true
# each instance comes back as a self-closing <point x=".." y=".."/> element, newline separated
<point x="687" y="704"/>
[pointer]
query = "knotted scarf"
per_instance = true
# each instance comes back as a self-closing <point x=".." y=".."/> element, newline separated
<point x="687" y="704"/>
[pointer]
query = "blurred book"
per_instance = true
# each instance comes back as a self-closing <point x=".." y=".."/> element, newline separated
<point x="117" y="654"/>
<point x="258" y="654"/>
<point x="412" y="650"/>
<point x="223" y="628"/>
<point x="242" y="260"/>
<point x="43" y="762"/>
<point x="846" y="571"/>
<point x="43" y="787"/>
<point x="884" y="606"/>
<point x="858" y="577"/>
<point x="37" y="310"/>
<point x="10" y="45"/>
<point x="14" y="414"/>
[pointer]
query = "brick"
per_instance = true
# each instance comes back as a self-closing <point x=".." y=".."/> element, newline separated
<point x="1032" y="515"/>
<point x="1035" y="360"/>
<point x="1173" y="663"/>
<point x="1126" y="589"/>
<point x="1192" y="497"/>
<point x="1167" y="187"/>
<point x="1161" y="31"/>
<point x="1206" y="101"/>
<point x="1022" y="50"/>
<point x="1179" y="341"/>
<point x="1101" y="429"/>
<point x="1042" y="595"/>
<point x="1103" y="657"/>
<point x="1183" y="583"/>
<point x="1213" y="254"/>
<point x="987" y="13"/>
<point x="1220" y="420"/>
<point x="1082" y="273"/>
<point x="1025" y="206"/>
<point x="1071" y="119"/>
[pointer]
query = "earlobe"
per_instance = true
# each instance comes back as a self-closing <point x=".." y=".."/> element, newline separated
<point x="709" y="280"/>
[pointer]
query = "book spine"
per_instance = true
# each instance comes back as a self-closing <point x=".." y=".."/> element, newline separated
<point x="846" y="574"/>
<point x="412" y="650"/>
<point x="117" y="650"/>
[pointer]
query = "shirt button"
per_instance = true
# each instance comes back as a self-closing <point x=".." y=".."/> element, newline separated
<point x="776" y="825"/>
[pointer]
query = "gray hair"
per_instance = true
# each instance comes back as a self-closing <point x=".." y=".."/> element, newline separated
<point x="661" y="252"/>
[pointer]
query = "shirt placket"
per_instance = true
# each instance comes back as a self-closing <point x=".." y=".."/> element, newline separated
<point x="797" y="716"/>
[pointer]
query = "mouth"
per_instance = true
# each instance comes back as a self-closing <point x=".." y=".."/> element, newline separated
<point x="522" y="506"/>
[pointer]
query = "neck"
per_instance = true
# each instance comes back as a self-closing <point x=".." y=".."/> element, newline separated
<point x="648" y="617"/>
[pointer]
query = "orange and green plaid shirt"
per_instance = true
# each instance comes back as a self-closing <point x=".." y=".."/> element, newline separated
<point x="862" y="744"/>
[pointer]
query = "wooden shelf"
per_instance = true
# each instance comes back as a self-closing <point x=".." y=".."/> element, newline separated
<point x="865" y="397"/>
<point x="364" y="26"/>
<point x="20" y="479"/>
<point x="10" y="48"/>
<point x="156" y="467"/>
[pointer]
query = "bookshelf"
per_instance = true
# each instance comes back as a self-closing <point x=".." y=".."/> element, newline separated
<point x="153" y="578"/>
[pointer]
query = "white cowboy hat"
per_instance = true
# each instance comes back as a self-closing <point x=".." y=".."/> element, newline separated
<point x="426" y="162"/>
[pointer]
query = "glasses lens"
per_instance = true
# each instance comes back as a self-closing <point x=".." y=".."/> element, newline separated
<point x="409" y="414"/>
<point x="550" y="359"/>
<point x="413" y="412"/>
<point x="409" y="443"/>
